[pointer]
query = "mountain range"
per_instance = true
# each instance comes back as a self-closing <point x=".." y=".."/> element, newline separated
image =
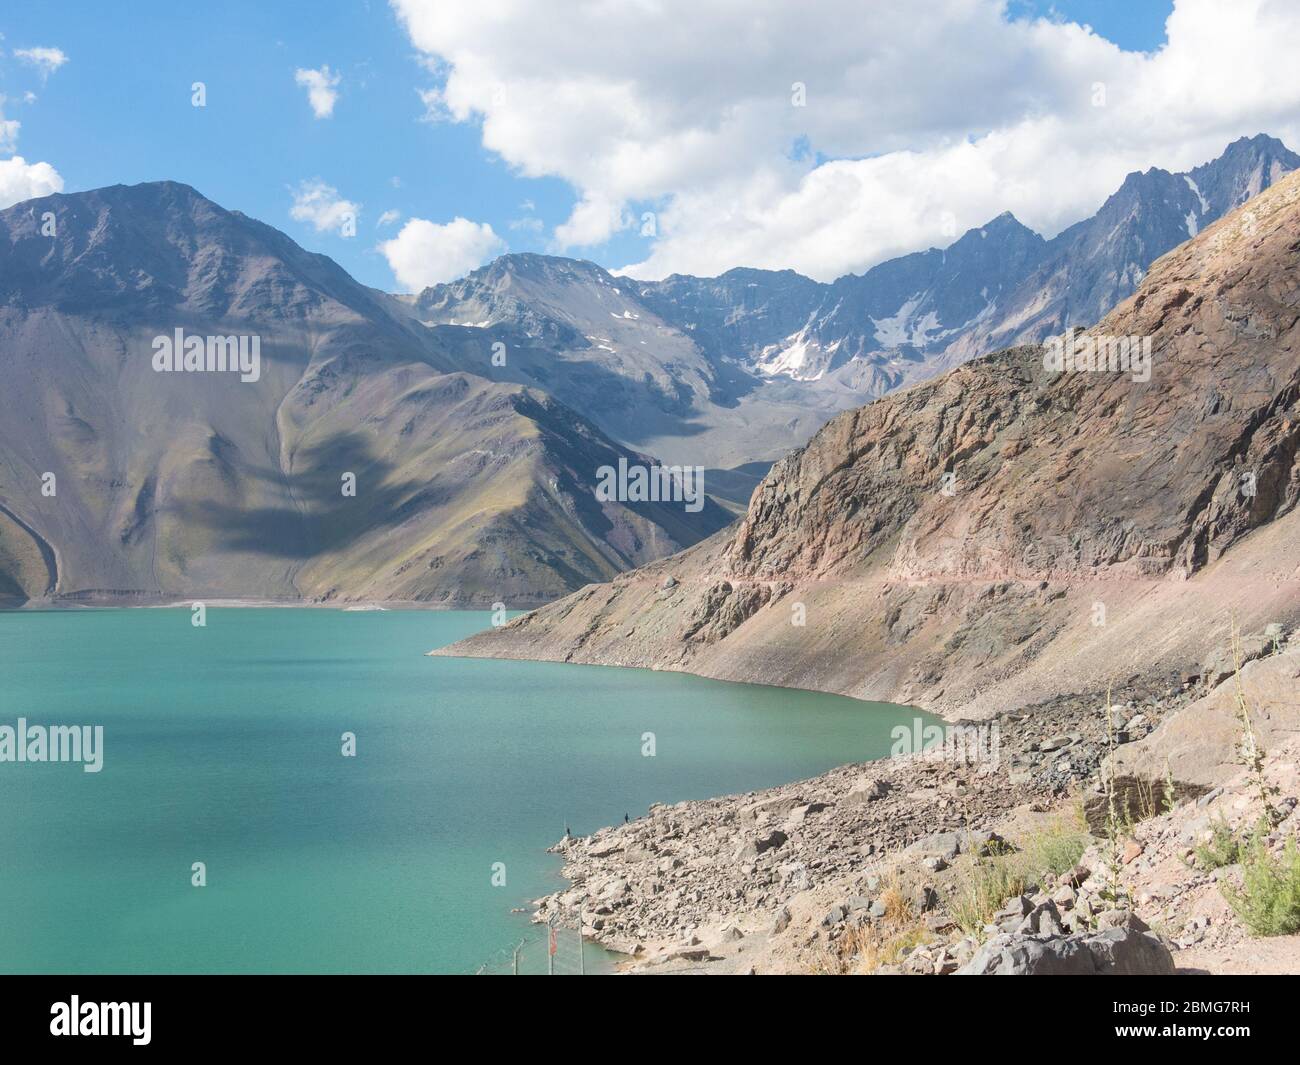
<point x="472" y="418"/>
<point x="122" y="483"/>
<point x="1009" y="530"/>
<point x="734" y="371"/>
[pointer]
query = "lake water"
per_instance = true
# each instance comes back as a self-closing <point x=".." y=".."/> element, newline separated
<point x="223" y="745"/>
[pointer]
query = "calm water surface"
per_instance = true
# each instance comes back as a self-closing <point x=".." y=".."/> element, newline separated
<point x="222" y="745"/>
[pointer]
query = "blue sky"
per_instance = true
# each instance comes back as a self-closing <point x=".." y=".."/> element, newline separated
<point x="1134" y="25"/>
<point x="119" y="111"/>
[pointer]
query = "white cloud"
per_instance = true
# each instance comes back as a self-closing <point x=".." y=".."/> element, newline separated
<point x="424" y="253"/>
<point x="9" y="128"/>
<point x="915" y="120"/>
<point x="46" y="60"/>
<point x="321" y="205"/>
<point x="594" y="220"/>
<point x="388" y="218"/>
<point x="21" y="180"/>
<point x="322" y="89"/>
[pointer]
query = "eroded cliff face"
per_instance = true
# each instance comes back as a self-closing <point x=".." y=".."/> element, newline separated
<point x="1008" y="531"/>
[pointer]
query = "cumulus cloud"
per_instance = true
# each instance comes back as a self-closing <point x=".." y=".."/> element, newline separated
<point x="21" y="180"/>
<point x="46" y="60"/>
<point x="322" y="89"/>
<point x="594" y="220"/>
<point x="829" y="136"/>
<point x="425" y="253"/>
<point x="324" y="209"/>
<point x="388" y="218"/>
<point x="9" y="128"/>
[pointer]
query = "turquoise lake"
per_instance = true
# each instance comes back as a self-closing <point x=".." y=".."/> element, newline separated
<point x="223" y="745"/>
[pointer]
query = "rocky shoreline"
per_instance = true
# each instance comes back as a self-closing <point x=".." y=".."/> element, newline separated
<point x="797" y="877"/>
<point x="683" y="868"/>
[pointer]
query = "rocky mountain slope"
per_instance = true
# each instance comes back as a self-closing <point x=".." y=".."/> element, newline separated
<point x="1007" y="532"/>
<point x="742" y="367"/>
<point x="118" y="481"/>
<point x="999" y="285"/>
<point x="589" y="339"/>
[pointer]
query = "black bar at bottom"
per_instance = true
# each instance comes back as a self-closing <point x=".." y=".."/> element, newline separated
<point x="340" y="1014"/>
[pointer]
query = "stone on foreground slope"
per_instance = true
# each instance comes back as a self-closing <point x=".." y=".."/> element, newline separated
<point x="1095" y="527"/>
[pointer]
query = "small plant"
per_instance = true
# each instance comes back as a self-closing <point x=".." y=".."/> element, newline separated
<point x="1171" y="794"/>
<point x="1057" y="848"/>
<point x="1268" y="901"/>
<point x="1114" y="891"/>
<point x="991" y="883"/>
<point x="1143" y="792"/>
<point x="884" y="941"/>
<point x="1222" y="849"/>
<point x="1054" y="849"/>
<point x="1250" y="750"/>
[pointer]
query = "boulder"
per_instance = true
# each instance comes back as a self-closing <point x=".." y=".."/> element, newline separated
<point x="866" y="791"/>
<point x="1222" y="663"/>
<point x="945" y="845"/>
<point x="1113" y="952"/>
<point x="756" y="845"/>
<point x="800" y="814"/>
<point x="770" y="809"/>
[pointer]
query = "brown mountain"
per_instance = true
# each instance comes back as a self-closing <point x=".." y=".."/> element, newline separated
<point x="1094" y="527"/>
<point x="120" y="482"/>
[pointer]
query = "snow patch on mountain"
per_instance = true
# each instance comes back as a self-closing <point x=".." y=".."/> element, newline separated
<point x="897" y="329"/>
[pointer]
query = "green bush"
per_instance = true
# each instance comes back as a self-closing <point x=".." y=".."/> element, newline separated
<point x="1222" y="849"/>
<point x="1057" y="848"/>
<point x="992" y="881"/>
<point x="1268" y="901"/>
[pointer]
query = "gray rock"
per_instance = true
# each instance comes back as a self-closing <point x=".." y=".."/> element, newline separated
<point x="834" y="916"/>
<point x="1019" y="906"/>
<point x="1064" y="896"/>
<point x="761" y="844"/>
<point x="1209" y="797"/>
<point x="866" y="791"/>
<point x="946" y="845"/>
<point x="1129" y="952"/>
<point x="1021" y="955"/>
<point x="1114" y="952"/>
<point x="1121" y="919"/>
<point x="770" y="809"/>
<point x="1049" y="920"/>
<point x="800" y="814"/>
